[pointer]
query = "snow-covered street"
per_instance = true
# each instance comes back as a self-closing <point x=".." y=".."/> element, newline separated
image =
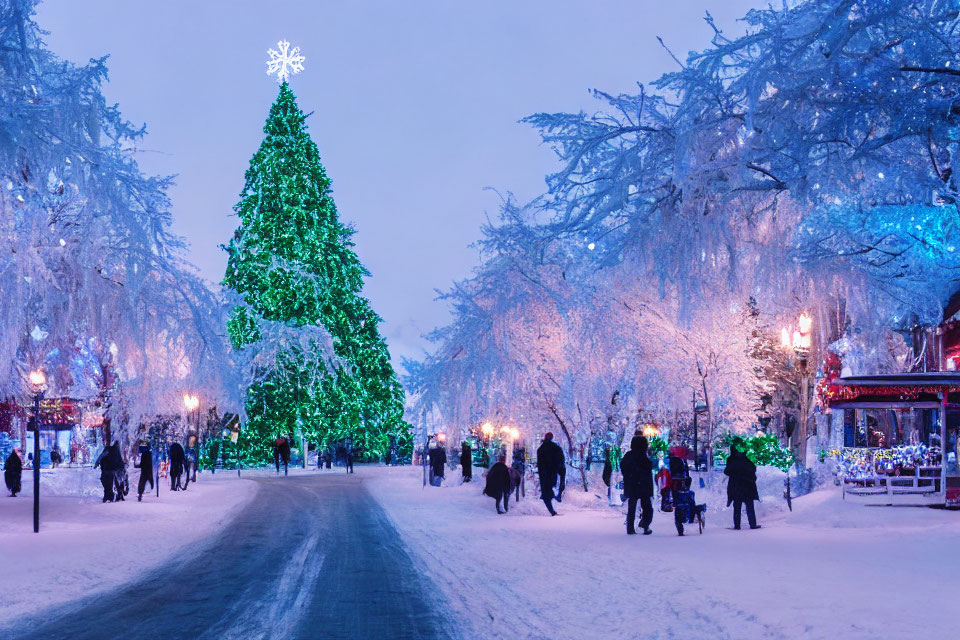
<point x="830" y="569"/>
<point x="85" y="547"/>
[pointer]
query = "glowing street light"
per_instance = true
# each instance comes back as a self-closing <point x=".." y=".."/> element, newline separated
<point x="190" y="402"/>
<point x="487" y="429"/>
<point x="38" y="380"/>
<point x="38" y="384"/>
<point x="801" y="343"/>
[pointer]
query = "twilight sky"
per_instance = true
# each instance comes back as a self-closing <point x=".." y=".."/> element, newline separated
<point x="415" y="107"/>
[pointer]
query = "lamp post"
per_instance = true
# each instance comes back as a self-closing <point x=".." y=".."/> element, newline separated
<point x="800" y="342"/>
<point x="192" y="403"/>
<point x="38" y="382"/>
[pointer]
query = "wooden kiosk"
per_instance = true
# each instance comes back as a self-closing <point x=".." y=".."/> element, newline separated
<point x="899" y="437"/>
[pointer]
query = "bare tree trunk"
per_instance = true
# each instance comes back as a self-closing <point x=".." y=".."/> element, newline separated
<point x="706" y="399"/>
<point x="566" y="432"/>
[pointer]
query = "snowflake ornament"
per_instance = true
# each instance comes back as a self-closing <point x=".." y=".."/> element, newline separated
<point x="284" y="62"/>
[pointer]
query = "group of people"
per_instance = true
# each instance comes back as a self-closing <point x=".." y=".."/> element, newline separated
<point x="325" y="457"/>
<point x="638" y="481"/>
<point x="113" y="470"/>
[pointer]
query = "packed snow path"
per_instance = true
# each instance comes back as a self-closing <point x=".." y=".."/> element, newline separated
<point x="311" y="556"/>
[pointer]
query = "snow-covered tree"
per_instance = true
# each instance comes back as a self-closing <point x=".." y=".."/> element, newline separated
<point x="95" y="287"/>
<point x="808" y="165"/>
<point x="292" y="265"/>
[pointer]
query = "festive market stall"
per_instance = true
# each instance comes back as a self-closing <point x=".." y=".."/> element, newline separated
<point x="899" y="437"/>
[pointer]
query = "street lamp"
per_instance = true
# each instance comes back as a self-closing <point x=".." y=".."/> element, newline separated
<point x="191" y="404"/>
<point x="800" y="342"/>
<point x="487" y="430"/>
<point x="38" y="383"/>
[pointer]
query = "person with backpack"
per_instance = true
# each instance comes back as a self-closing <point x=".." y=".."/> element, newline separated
<point x="12" y="472"/>
<point x="741" y="485"/>
<point x="550" y="468"/>
<point x="637" y="469"/>
<point x="146" y="470"/>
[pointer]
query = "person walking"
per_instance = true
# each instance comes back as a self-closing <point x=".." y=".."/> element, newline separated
<point x="109" y="462"/>
<point x="283" y="454"/>
<point x="348" y="458"/>
<point x="466" y="462"/>
<point x="12" y="472"/>
<point x="177" y="457"/>
<point x="550" y="468"/>
<point x="741" y="485"/>
<point x="499" y="484"/>
<point x="146" y="470"/>
<point x="637" y="469"/>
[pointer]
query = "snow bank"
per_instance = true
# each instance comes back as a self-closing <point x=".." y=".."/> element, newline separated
<point x="819" y="572"/>
<point x="85" y="547"/>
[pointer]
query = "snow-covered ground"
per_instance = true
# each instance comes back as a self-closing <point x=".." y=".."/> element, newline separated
<point x="830" y="569"/>
<point x="85" y="547"/>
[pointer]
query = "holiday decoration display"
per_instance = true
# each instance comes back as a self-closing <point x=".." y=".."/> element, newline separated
<point x="284" y="62"/>
<point x="763" y="449"/>
<point x="324" y="369"/>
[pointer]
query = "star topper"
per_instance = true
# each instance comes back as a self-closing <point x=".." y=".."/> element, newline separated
<point x="284" y="62"/>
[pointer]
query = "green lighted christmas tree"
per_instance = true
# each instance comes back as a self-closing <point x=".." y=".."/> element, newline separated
<point x="291" y="261"/>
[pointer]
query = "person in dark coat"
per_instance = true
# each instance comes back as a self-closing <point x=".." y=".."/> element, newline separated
<point x="637" y="469"/>
<point x="348" y="458"/>
<point x="466" y="462"/>
<point x="177" y="457"/>
<point x="146" y="470"/>
<point x="741" y="486"/>
<point x="283" y="454"/>
<point x="438" y="458"/>
<point x="110" y="462"/>
<point x="550" y="468"/>
<point x="121" y="486"/>
<point x="12" y="472"/>
<point x="499" y="484"/>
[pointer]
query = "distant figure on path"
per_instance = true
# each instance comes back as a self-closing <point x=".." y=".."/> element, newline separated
<point x="637" y="471"/>
<point x="742" y="485"/>
<point x="550" y="467"/>
<point x="281" y="453"/>
<point x="12" y="471"/>
<point x="177" y="457"/>
<point x="348" y="459"/>
<point x="146" y="470"/>
<point x="466" y="462"/>
<point x="438" y="458"/>
<point x="499" y="484"/>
